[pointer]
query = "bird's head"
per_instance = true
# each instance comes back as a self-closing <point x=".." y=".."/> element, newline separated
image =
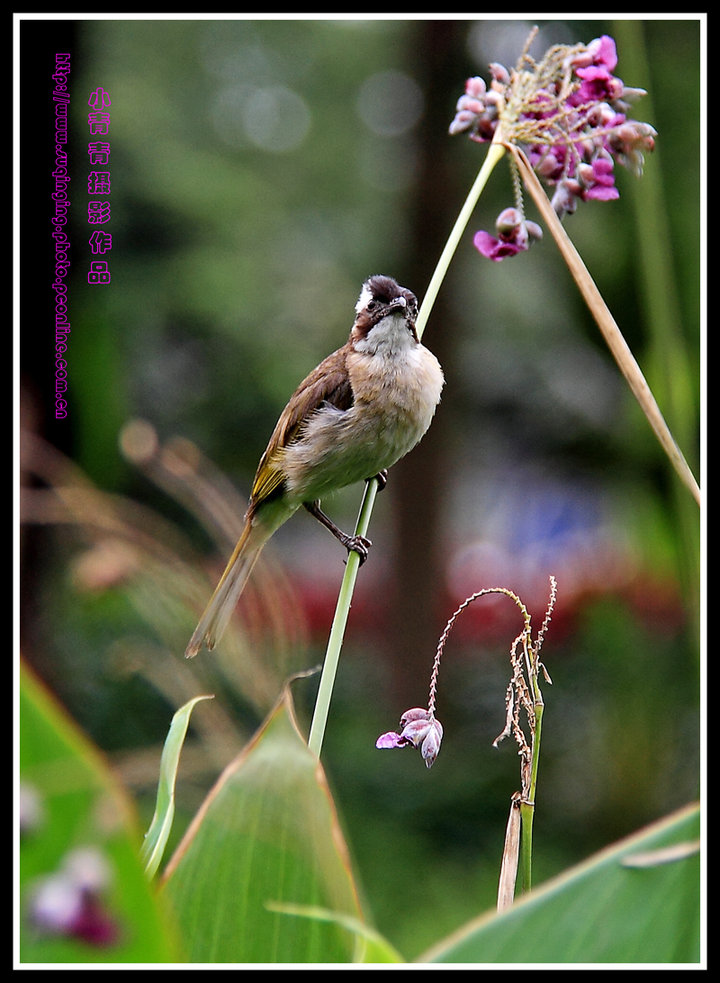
<point x="385" y="315"/>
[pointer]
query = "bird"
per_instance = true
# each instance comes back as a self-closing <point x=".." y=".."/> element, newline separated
<point x="355" y="415"/>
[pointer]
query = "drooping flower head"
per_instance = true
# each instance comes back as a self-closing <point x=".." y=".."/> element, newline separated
<point x="418" y="728"/>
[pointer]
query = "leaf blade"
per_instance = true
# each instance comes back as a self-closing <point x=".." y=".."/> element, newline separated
<point x="267" y="835"/>
<point x="155" y="840"/>
<point x="601" y="911"/>
<point x="82" y="806"/>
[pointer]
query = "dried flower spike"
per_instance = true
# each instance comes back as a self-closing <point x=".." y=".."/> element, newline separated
<point x="420" y="728"/>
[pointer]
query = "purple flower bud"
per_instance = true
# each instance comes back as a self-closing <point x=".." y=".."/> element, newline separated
<point x="629" y="140"/>
<point x="476" y="87"/>
<point x="508" y="222"/>
<point x="548" y="163"/>
<point x="566" y="196"/>
<point x="468" y="104"/>
<point x="604" y="116"/>
<point x="581" y="59"/>
<point x="410" y="716"/>
<point x="499" y="73"/>
<point x="430" y="747"/>
<point x="632" y="94"/>
<point x="463" y="121"/>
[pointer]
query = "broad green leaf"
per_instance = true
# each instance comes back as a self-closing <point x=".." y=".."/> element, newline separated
<point x="78" y="810"/>
<point x="636" y="902"/>
<point x="267" y="835"/>
<point x="159" y="830"/>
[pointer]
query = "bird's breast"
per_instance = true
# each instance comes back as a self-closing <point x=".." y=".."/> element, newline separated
<point x="394" y="402"/>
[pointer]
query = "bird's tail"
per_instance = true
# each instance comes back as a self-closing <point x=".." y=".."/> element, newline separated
<point x="221" y="605"/>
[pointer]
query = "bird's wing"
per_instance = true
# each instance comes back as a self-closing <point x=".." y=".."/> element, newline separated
<point x="328" y="384"/>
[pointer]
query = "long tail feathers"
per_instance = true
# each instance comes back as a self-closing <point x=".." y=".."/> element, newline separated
<point x="219" y="610"/>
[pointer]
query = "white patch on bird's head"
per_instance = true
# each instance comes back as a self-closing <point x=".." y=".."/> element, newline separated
<point x="385" y="317"/>
<point x="366" y="295"/>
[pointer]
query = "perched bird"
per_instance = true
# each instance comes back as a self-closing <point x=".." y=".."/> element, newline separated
<point x="361" y="410"/>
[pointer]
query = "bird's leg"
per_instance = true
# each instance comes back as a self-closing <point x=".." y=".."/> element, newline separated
<point x="381" y="477"/>
<point x="359" y="544"/>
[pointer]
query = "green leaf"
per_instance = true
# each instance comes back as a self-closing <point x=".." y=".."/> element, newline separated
<point x="636" y="902"/>
<point x="159" y="830"/>
<point x="76" y="808"/>
<point x="267" y="835"/>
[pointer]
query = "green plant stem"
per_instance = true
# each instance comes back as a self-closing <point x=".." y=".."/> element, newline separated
<point x="527" y="814"/>
<point x="495" y="153"/>
<point x="337" y="631"/>
<point x="342" y="608"/>
<point x="527" y="806"/>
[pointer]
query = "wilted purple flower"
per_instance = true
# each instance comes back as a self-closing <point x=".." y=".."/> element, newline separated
<point x="419" y="728"/>
<point x="628" y="141"/>
<point x="569" y="112"/>
<point x="514" y="235"/>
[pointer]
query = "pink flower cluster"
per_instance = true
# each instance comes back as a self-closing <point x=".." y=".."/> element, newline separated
<point x="569" y="112"/>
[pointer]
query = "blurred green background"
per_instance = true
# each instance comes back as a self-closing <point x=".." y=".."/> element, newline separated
<point x="261" y="169"/>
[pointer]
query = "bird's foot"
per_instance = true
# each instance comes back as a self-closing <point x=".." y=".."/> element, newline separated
<point x="381" y="477"/>
<point x="359" y="545"/>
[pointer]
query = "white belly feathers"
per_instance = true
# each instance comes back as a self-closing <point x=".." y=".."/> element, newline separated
<point x="395" y="400"/>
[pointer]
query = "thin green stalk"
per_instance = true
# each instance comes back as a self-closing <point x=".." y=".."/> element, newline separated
<point x="527" y="814"/>
<point x="527" y="806"/>
<point x="337" y="631"/>
<point x="493" y="156"/>
<point x="342" y="608"/>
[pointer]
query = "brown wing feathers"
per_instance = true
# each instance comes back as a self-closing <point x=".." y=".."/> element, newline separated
<point x="326" y="384"/>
